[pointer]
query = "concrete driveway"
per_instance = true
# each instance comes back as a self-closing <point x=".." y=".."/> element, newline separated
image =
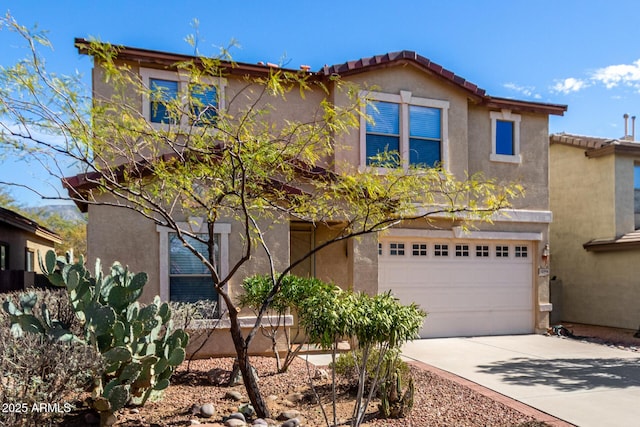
<point x="582" y="383"/>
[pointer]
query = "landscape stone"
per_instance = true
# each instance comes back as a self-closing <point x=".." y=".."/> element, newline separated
<point x="247" y="410"/>
<point x="234" y="422"/>
<point x="293" y="422"/>
<point x="207" y="410"/>
<point x="295" y="397"/>
<point x="238" y="416"/>
<point x="194" y="422"/>
<point x="233" y="395"/>
<point x="259" y="422"/>
<point x="287" y="415"/>
<point x="321" y="374"/>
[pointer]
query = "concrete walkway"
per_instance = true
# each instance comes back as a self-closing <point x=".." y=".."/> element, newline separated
<point x="582" y="383"/>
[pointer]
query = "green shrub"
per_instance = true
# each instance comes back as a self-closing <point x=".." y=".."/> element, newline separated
<point x="347" y="366"/>
<point x="57" y="302"/>
<point x="38" y="371"/>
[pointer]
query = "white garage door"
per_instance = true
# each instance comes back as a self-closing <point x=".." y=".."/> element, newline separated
<point x="468" y="288"/>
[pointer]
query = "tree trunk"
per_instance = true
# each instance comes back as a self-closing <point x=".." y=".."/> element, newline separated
<point x="250" y="381"/>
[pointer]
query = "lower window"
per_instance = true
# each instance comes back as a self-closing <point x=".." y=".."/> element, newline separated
<point x="189" y="279"/>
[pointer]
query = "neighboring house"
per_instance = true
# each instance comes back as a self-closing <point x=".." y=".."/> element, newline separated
<point x="21" y="240"/>
<point x="595" y="234"/>
<point x="491" y="280"/>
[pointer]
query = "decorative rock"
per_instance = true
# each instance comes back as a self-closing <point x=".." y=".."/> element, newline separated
<point x="321" y="374"/>
<point x="194" y="422"/>
<point x="134" y="411"/>
<point x="259" y="422"/>
<point x="236" y="375"/>
<point x="247" y="410"/>
<point x="233" y="395"/>
<point x="288" y="403"/>
<point x="234" y="422"/>
<point x="238" y="416"/>
<point x="293" y="422"/>
<point x="218" y="376"/>
<point x="195" y="409"/>
<point x="287" y="415"/>
<point x="295" y="397"/>
<point x="207" y="410"/>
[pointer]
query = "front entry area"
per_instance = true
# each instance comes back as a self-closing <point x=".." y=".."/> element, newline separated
<point x="467" y="287"/>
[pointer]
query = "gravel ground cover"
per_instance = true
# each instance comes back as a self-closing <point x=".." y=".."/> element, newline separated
<point x="438" y="401"/>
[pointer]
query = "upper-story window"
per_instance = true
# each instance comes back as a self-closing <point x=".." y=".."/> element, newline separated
<point x="505" y="137"/>
<point x="163" y="92"/>
<point x="206" y="98"/>
<point x="414" y="129"/>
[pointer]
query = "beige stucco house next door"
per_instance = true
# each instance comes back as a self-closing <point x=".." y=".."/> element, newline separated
<point x="595" y="236"/>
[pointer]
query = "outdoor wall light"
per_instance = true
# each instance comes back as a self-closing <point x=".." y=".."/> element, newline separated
<point x="545" y="253"/>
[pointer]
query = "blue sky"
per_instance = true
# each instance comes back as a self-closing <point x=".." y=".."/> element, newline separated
<point x="582" y="53"/>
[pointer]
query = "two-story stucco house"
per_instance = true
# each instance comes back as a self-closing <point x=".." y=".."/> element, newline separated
<point x="595" y="237"/>
<point x="490" y="280"/>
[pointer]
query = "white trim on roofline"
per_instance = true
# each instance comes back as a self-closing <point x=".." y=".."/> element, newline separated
<point x="458" y="233"/>
<point x="503" y="215"/>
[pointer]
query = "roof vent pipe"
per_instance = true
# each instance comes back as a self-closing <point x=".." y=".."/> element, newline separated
<point x="626" y="125"/>
<point x="633" y="128"/>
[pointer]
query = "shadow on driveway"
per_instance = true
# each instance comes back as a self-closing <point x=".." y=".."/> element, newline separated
<point x="568" y="374"/>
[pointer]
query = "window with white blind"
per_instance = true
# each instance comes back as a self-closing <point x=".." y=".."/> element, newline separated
<point x="403" y="129"/>
<point x="189" y="278"/>
<point x="183" y="276"/>
<point x="205" y="98"/>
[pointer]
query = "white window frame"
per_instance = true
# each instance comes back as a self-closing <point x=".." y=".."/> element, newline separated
<point x="147" y="74"/>
<point x="404" y="99"/>
<point x="199" y="227"/>
<point x="507" y="116"/>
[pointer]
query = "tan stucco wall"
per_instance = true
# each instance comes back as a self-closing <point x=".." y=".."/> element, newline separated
<point x="593" y="198"/>
<point x="532" y="172"/>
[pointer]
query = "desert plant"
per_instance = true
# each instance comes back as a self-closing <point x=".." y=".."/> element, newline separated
<point x="139" y="344"/>
<point x="377" y="323"/>
<point x="347" y="366"/>
<point x="36" y="371"/>
<point x="200" y="319"/>
<point x="293" y="291"/>
<point x="395" y="401"/>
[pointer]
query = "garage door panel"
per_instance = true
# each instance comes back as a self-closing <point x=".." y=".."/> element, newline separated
<point x="464" y="296"/>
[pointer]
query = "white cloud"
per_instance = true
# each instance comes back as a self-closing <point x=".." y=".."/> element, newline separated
<point x="616" y="75"/>
<point x="524" y="90"/>
<point x="569" y="85"/>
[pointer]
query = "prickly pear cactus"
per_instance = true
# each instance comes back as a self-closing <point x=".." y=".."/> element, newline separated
<point x="139" y="344"/>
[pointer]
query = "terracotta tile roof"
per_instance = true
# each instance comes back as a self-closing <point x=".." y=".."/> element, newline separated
<point x="380" y="61"/>
<point x="475" y="93"/>
<point x="589" y="142"/>
<point x="478" y="95"/>
<point x="596" y="146"/>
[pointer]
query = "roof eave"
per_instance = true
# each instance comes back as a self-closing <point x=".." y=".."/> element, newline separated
<point x="157" y="58"/>
<point x="610" y="246"/>
<point x="525" y="106"/>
